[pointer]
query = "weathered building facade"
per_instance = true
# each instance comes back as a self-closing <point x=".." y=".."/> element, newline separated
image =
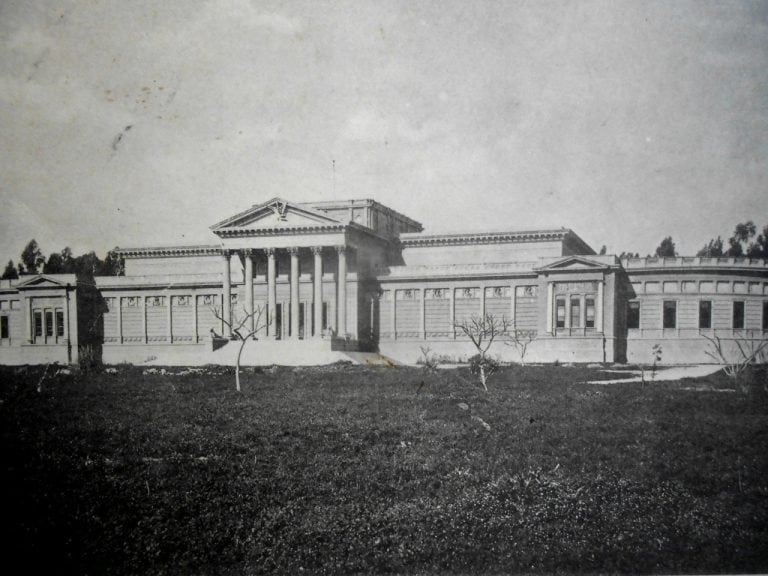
<point x="319" y="279"/>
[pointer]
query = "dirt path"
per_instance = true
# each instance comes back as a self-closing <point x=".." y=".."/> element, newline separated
<point x="664" y="374"/>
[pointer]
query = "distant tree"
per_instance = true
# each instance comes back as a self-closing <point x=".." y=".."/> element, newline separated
<point x="759" y="248"/>
<point x="67" y="261"/>
<point x="31" y="258"/>
<point x="738" y="244"/>
<point x="603" y="250"/>
<point x="666" y="248"/>
<point x="713" y="248"/>
<point x="54" y="264"/>
<point x="88" y="265"/>
<point x="114" y="265"/>
<point x="10" y="272"/>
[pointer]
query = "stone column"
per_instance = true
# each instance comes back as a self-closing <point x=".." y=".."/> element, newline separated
<point x="30" y="321"/>
<point x="318" y="295"/>
<point x="583" y="313"/>
<point x="271" y="294"/>
<point x="119" y="320"/>
<point x="452" y="311"/>
<point x="482" y="301"/>
<point x="294" y="252"/>
<point x="599" y="307"/>
<point x="423" y="313"/>
<point x="65" y="314"/>
<point x="248" y="255"/>
<point x="144" y="319"/>
<point x="394" y="314"/>
<point x="169" y="318"/>
<point x="341" y="301"/>
<point x="226" y="300"/>
<point x="512" y="311"/>
<point x="195" y="337"/>
<point x="550" y="303"/>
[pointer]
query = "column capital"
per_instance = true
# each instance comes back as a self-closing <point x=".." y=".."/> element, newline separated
<point x="341" y="248"/>
<point x="247" y="251"/>
<point x="269" y="251"/>
<point x="317" y="250"/>
<point x="226" y="252"/>
<point x="293" y="250"/>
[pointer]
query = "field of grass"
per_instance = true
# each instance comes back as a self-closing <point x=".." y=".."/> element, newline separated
<point x="370" y="469"/>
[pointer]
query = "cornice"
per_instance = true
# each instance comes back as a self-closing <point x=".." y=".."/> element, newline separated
<point x="279" y="231"/>
<point x="471" y="238"/>
<point x="458" y="271"/>
<point x="169" y="251"/>
<point x="694" y="263"/>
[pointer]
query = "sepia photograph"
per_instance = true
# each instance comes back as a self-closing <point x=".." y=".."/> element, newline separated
<point x="404" y="287"/>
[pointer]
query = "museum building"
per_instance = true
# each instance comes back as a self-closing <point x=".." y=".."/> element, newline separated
<point x="316" y="282"/>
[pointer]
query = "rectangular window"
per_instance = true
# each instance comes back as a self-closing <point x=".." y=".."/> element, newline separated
<point x="560" y="316"/>
<point x="48" y="323"/>
<point x="633" y="315"/>
<point x="738" y="315"/>
<point x="575" y="312"/>
<point x="38" y="323"/>
<point x="59" y="323"/>
<point x="3" y="327"/>
<point x="589" y="305"/>
<point x="670" y="314"/>
<point x="765" y="315"/>
<point x="705" y="315"/>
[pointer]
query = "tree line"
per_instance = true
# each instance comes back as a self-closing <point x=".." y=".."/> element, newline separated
<point x="745" y="242"/>
<point x="33" y="261"/>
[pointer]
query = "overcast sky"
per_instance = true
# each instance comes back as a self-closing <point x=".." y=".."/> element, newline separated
<point x="143" y="123"/>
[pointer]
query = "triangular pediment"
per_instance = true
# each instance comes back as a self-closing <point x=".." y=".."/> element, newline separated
<point x="45" y="281"/>
<point x="276" y="213"/>
<point x="575" y="263"/>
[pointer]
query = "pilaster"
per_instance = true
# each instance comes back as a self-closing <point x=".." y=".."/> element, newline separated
<point x="226" y="300"/>
<point x="341" y="301"/>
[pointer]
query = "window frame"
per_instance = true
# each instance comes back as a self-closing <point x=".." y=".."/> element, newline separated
<point x="558" y="301"/>
<point x="664" y="307"/>
<point x="590" y="302"/>
<point x="629" y="308"/>
<point x="743" y="307"/>
<point x="5" y="327"/>
<point x="709" y="318"/>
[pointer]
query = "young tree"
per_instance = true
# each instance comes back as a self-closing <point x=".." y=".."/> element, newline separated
<point x="244" y="329"/>
<point x="666" y="248"/>
<point x="10" y="272"/>
<point x="747" y="352"/>
<point x="31" y="257"/>
<point x="521" y="339"/>
<point x="482" y="331"/>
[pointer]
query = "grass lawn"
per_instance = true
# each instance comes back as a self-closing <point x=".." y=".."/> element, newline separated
<point x="371" y="469"/>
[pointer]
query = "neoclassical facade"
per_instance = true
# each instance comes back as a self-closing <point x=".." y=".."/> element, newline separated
<point x="316" y="282"/>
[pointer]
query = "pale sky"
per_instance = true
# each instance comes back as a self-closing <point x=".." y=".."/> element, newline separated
<point x="623" y="120"/>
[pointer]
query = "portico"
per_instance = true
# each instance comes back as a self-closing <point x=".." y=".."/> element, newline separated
<point x="298" y="322"/>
